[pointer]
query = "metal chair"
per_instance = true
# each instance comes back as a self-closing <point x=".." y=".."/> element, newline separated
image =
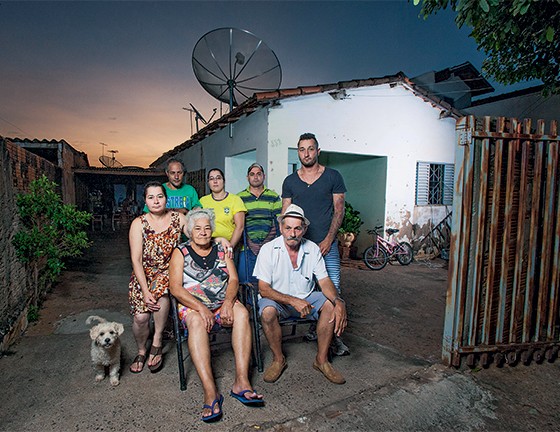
<point x="251" y="293"/>
<point x="97" y="219"/>
<point x="181" y="335"/>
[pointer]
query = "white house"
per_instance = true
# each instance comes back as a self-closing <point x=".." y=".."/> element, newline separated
<point x="392" y="142"/>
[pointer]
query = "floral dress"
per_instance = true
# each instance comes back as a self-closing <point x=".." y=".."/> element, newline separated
<point x="156" y="255"/>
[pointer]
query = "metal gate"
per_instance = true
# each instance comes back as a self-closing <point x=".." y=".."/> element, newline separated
<point x="504" y="271"/>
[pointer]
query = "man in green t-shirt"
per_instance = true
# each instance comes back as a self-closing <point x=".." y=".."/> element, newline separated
<point x="181" y="197"/>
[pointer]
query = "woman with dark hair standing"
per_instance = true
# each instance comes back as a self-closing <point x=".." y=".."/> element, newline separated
<point x="152" y="238"/>
<point x="228" y="208"/>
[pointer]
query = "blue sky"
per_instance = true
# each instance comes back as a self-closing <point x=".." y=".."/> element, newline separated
<point x="120" y="72"/>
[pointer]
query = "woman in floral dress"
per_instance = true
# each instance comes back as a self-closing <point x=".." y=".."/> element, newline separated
<point x="152" y="238"/>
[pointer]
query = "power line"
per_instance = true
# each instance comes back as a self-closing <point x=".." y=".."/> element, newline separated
<point x="20" y="129"/>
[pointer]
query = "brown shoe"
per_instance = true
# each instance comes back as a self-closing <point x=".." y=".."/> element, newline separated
<point x="274" y="371"/>
<point x="330" y="373"/>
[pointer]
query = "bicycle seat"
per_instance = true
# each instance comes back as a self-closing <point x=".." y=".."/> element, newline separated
<point x="391" y="231"/>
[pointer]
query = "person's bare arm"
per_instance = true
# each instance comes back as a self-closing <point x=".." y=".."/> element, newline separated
<point x="339" y="317"/>
<point x="285" y="203"/>
<point x="338" y="215"/>
<point x="239" y="221"/>
<point x="302" y="306"/>
<point x="226" y="311"/>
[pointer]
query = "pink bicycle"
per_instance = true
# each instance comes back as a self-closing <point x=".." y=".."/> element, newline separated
<point x="384" y="250"/>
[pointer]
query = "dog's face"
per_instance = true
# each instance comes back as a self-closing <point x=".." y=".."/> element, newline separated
<point x="105" y="334"/>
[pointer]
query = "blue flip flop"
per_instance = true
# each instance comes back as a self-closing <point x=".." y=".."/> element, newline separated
<point x="214" y="416"/>
<point x="246" y="401"/>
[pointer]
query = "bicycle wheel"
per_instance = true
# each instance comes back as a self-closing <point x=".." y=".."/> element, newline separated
<point x="375" y="257"/>
<point x="403" y="253"/>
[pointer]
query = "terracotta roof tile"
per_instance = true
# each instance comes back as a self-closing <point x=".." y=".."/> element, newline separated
<point x="266" y="98"/>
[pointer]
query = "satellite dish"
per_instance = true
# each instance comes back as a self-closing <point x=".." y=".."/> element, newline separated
<point x="232" y="64"/>
<point x="110" y="162"/>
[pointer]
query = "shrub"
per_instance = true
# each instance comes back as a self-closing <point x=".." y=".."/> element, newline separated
<point x="50" y="231"/>
<point x="352" y="220"/>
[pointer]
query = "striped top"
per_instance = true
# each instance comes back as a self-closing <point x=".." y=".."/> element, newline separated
<point x="261" y="214"/>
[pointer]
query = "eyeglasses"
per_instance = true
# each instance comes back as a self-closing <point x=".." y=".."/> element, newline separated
<point x="215" y="178"/>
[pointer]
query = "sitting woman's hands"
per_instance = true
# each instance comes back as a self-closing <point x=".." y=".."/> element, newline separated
<point x="226" y="313"/>
<point x="207" y="317"/>
<point x="151" y="301"/>
<point x="226" y="245"/>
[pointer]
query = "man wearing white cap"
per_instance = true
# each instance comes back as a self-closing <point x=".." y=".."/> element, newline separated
<point x="288" y="269"/>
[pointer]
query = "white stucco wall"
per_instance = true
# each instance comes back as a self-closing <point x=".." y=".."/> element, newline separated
<point x="248" y="135"/>
<point x="375" y="121"/>
<point x="391" y="127"/>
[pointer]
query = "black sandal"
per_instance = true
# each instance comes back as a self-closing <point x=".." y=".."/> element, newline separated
<point x="139" y="359"/>
<point x="156" y="351"/>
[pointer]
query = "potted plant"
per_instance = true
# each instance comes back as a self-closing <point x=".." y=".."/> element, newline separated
<point x="349" y="230"/>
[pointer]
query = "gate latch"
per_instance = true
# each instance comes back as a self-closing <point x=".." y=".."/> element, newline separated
<point x="465" y="137"/>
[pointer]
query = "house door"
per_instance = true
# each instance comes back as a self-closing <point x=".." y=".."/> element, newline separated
<point x="504" y="269"/>
<point x="365" y="178"/>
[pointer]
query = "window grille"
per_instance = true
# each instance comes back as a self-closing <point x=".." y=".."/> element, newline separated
<point x="434" y="183"/>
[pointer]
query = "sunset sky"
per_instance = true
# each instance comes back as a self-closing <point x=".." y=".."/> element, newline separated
<point x="120" y="72"/>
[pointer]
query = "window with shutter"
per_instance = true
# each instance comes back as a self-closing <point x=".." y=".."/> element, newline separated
<point x="434" y="183"/>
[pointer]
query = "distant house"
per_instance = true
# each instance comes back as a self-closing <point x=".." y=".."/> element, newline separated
<point x="456" y="85"/>
<point x="521" y="104"/>
<point x="392" y="141"/>
<point x="65" y="158"/>
<point x="82" y="184"/>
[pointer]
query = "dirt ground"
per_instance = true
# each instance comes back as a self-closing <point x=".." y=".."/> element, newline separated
<point x="400" y="309"/>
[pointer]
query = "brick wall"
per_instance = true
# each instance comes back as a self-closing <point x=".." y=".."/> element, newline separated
<point x="18" y="169"/>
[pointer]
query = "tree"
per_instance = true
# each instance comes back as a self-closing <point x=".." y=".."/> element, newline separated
<point x="520" y="37"/>
<point x="51" y="231"/>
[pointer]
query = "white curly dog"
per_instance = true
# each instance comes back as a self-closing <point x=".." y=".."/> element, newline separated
<point x="106" y="348"/>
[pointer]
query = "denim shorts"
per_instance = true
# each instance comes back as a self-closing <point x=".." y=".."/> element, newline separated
<point x="316" y="299"/>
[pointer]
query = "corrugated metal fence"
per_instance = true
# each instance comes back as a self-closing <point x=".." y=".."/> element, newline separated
<point x="504" y="277"/>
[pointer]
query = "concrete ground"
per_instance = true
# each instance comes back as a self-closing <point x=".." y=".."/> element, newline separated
<point x="395" y="381"/>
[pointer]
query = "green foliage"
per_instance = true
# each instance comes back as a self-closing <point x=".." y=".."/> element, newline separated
<point x="51" y="230"/>
<point x="33" y="313"/>
<point x="352" y="220"/>
<point x="520" y="37"/>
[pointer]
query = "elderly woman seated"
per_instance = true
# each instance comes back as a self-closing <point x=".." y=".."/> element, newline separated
<point x="203" y="279"/>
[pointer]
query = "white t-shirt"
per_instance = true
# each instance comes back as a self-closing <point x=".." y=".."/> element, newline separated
<point x="274" y="267"/>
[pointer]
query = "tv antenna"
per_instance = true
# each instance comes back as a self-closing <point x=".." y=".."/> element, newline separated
<point x="103" y="145"/>
<point x="198" y="116"/>
<point x="110" y="162"/>
<point x="232" y="64"/>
